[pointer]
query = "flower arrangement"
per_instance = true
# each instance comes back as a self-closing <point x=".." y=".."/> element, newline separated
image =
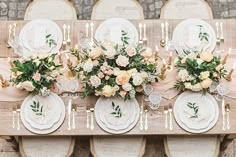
<point x="108" y="69"/>
<point x="198" y="71"/>
<point x="35" y="74"/>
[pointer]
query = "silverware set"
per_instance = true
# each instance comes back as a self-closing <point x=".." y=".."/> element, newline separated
<point x="16" y="117"/>
<point x="219" y="33"/>
<point x="90" y="118"/>
<point x="225" y="116"/>
<point x="143" y="110"/>
<point x="11" y="34"/>
<point x="71" y="108"/>
<point x="168" y="110"/>
<point x="66" y="35"/>
<point x="143" y="34"/>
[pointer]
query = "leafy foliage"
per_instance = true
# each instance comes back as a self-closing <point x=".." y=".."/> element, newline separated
<point x="195" y="109"/>
<point x="117" y="111"/>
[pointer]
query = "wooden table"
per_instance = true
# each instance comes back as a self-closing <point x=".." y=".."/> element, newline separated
<point x="155" y="118"/>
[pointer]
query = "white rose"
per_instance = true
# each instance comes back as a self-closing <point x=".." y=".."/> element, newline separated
<point x="147" y="53"/>
<point x="192" y="56"/>
<point x="204" y="75"/>
<point x="132" y="72"/>
<point x="131" y="51"/>
<point x="27" y="85"/>
<point x="199" y="61"/>
<point x="137" y="80"/>
<point x="127" y="87"/>
<point x="95" y="81"/>
<point x="88" y="65"/>
<point x="110" y="53"/>
<point x="122" y="61"/>
<point x="37" y="62"/>
<point x="182" y="75"/>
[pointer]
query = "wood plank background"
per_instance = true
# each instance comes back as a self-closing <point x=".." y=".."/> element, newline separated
<point x="156" y="118"/>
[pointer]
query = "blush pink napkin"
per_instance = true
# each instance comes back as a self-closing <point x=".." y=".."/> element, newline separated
<point x="166" y="87"/>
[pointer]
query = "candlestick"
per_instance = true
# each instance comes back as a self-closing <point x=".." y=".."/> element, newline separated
<point x="10" y="62"/>
<point x="226" y="56"/>
<point x="156" y="55"/>
<point x="69" y="64"/>
<point x="140" y="33"/>
<point x="229" y="76"/>
<point x="87" y="30"/>
<point x="91" y="27"/>
<point x="163" y="70"/>
<point x="170" y="58"/>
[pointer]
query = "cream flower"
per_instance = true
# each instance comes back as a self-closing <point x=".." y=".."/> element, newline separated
<point x="122" y="61"/>
<point x="132" y="72"/>
<point x="137" y="80"/>
<point x="27" y="85"/>
<point x="182" y="75"/>
<point x="108" y="91"/>
<point x="127" y="87"/>
<point x="37" y="62"/>
<point x="144" y="74"/>
<point x="199" y="61"/>
<point x="147" y="53"/>
<point x="122" y="78"/>
<point x="110" y="53"/>
<point x="131" y="51"/>
<point x="88" y="66"/>
<point x="44" y="91"/>
<point x="219" y="67"/>
<point x="204" y="75"/>
<point x="206" y="56"/>
<point x="197" y="87"/>
<point x="206" y="83"/>
<point x="95" y="81"/>
<point x="95" y="53"/>
<point x="188" y="85"/>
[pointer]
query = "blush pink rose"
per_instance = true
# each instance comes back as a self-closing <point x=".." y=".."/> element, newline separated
<point x="95" y="81"/>
<point x="127" y="87"/>
<point x="131" y="51"/>
<point x="122" y="61"/>
<point x="107" y="78"/>
<point x="100" y="75"/>
<point x="95" y="63"/>
<point x="37" y="76"/>
<point x="122" y="93"/>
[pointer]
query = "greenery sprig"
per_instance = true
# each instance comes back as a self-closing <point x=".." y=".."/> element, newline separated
<point x="37" y="108"/>
<point x="195" y="109"/>
<point x="117" y="111"/>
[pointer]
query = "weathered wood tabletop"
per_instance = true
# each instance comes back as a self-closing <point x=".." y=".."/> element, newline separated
<point x="155" y="118"/>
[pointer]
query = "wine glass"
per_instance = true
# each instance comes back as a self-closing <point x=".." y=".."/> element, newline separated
<point x="155" y="100"/>
<point x="148" y="89"/>
<point x="222" y="90"/>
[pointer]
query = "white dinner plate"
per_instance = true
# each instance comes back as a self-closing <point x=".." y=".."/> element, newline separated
<point x="51" y="110"/>
<point x="33" y="37"/>
<point x="117" y="123"/>
<point x="115" y="130"/>
<point x="36" y="130"/>
<point x="185" y="125"/>
<point x="111" y="30"/>
<point x="186" y="36"/>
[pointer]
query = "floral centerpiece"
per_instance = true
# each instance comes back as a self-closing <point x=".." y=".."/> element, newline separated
<point x="198" y="71"/>
<point x="109" y="69"/>
<point x="35" y="74"/>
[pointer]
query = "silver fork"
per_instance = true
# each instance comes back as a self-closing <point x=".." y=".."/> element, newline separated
<point x="146" y="118"/>
<point x="166" y="116"/>
<point x="18" y="116"/>
<point x="9" y="36"/>
<point x="87" y="117"/>
<point x="13" y="117"/>
<point x="141" y="116"/>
